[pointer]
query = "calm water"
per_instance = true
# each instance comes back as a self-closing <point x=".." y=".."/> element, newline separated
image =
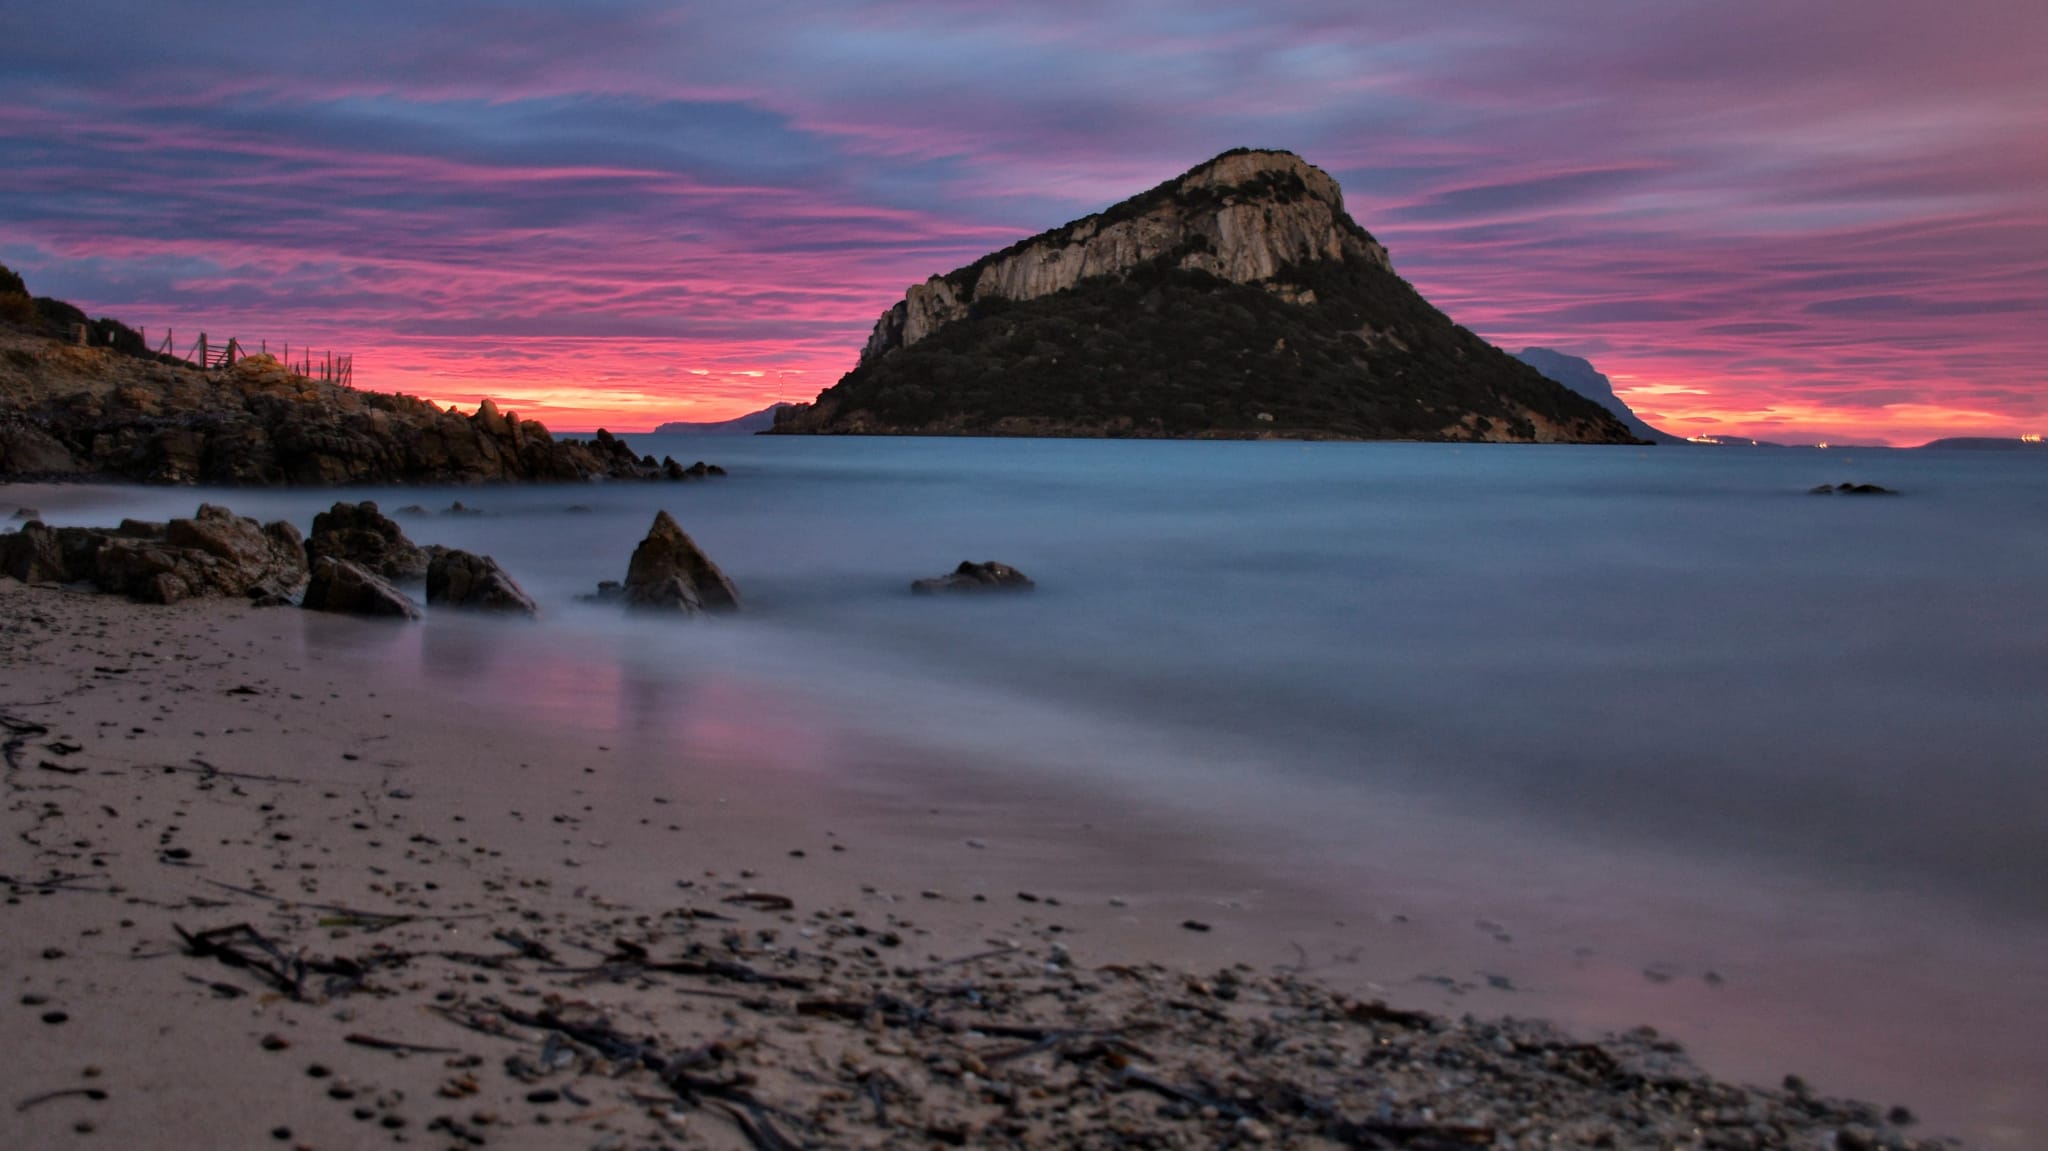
<point x="1582" y="677"/>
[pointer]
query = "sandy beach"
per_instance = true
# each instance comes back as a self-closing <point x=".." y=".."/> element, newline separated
<point x="255" y="901"/>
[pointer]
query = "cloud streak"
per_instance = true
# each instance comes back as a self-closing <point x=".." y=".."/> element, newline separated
<point x="1826" y="214"/>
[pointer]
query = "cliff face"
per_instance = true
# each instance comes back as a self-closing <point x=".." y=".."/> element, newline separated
<point x="69" y="411"/>
<point x="1242" y="217"/>
<point x="1238" y="300"/>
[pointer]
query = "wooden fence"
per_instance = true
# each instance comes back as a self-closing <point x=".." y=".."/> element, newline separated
<point x="326" y="366"/>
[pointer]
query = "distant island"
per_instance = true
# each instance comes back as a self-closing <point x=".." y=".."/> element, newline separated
<point x="1579" y="374"/>
<point x="1238" y="300"/>
<point x="1987" y="444"/>
<point x="746" y="425"/>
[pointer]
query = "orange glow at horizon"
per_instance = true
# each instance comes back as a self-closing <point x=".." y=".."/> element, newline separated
<point x="635" y="386"/>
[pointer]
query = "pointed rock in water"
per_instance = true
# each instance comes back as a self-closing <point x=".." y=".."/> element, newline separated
<point x="669" y="571"/>
<point x="349" y="588"/>
<point x="27" y="514"/>
<point x="363" y="535"/>
<point x="458" y="578"/>
<point x="975" y="577"/>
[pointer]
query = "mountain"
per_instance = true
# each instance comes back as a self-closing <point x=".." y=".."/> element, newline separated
<point x="1580" y="376"/>
<point x="745" y="425"/>
<point x="1987" y="444"/>
<point x="1235" y="301"/>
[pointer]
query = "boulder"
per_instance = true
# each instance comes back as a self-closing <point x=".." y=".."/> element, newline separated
<point x="342" y="586"/>
<point x="669" y="572"/>
<point x="1852" y="490"/>
<point x="458" y="509"/>
<point x="975" y="577"/>
<point x="27" y="514"/>
<point x="34" y="555"/>
<point x="363" y="535"/>
<point x="215" y="553"/>
<point x="458" y="578"/>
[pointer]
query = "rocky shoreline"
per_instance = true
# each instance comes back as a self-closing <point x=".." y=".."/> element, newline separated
<point x="95" y="413"/>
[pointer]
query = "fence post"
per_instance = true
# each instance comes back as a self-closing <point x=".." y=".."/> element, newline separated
<point x="202" y="352"/>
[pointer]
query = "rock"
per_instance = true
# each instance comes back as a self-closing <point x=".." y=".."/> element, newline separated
<point x="458" y="509"/>
<point x="697" y="471"/>
<point x="27" y="514"/>
<point x="413" y="510"/>
<point x="459" y="579"/>
<point x="342" y="586"/>
<point x="975" y="577"/>
<point x="669" y="572"/>
<point x="362" y="535"/>
<point x="34" y="555"/>
<point x="214" y="553"/>
<point x="1851" y="490"/>
<point x="27" y="450"/>
<point x="1822" y="490"/>
<point x="578" y="509"/>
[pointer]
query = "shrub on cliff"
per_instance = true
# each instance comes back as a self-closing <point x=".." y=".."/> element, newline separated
<point x="15" y="306"/>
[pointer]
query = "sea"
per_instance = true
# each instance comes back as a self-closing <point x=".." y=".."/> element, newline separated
<point x="1619" y="734"/>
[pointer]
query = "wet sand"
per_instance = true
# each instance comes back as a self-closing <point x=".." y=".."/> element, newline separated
<point x="239" y="874"/>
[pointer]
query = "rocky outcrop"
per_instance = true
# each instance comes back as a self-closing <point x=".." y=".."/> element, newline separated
<point x="460" y="579"/>
<point x="975" y="577"/>
<point x="214" y="553"/>
<point x="669" y="572"/>
<point x="1238" y="300"/>
<point x="351" y="589"/>
<point x="362" y="535"/>
<point x="74" y="411"/>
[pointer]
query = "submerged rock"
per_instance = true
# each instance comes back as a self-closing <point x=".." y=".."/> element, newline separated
<point x="975" y="577"/>
<point x="697" y="471"/>
<point x="461" y="579"/>
<point x="343" y="586"/>
<point x="363" y="535"/>
<point x="1852" y="490"/>
<point x="27" y="514"/>
<point x="670" y="572"/>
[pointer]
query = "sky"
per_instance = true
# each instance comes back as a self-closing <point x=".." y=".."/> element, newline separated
<point x="1788" y="219"/>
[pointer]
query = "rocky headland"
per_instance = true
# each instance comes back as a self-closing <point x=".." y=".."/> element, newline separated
<point x="113" y="411"/>
<point x="1239" y="300"/>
